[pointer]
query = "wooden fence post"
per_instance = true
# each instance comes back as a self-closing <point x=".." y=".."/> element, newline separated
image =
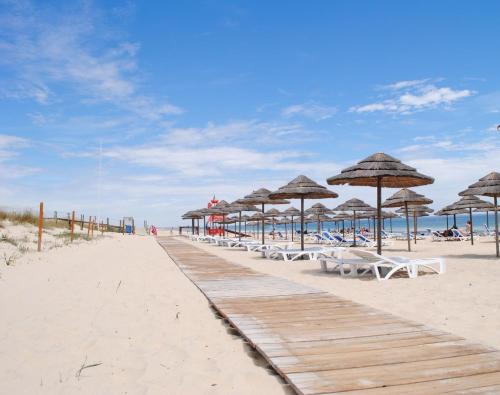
<point x="82" y="219"/>
<point x="102" y="228"/>
<point x="107" y="224"/>
<point x="55" y="216"/>
<point x="72" y="226"/>
<point x="40" y="227"/>
<point x="92" y="227"/>
<point x="88" y="229"/>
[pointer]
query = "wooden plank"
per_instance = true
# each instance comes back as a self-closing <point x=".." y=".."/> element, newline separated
<point x="488" y="383"/>
<point x="395" y="374"/>
<point x="349" y="359"/>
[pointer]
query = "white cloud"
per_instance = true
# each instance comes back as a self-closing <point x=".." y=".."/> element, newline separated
<point x="313" y="111"/>
<point x="417" y="96"/>
<point x="47" y="51"/>
<point x="404" y="84"/>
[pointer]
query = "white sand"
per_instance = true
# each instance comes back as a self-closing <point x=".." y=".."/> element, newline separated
<point x="464" y="301"/>
<point x="123" y="303"/>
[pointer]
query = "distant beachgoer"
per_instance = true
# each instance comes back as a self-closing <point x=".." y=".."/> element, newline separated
<point x="468" y="227"/>
<point x="153" y="230"/>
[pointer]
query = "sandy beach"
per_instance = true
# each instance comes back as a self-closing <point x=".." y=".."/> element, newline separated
<point x="119" y="302"/>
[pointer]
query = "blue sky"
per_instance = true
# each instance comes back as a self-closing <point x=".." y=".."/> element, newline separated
<point x="183" y="100"/>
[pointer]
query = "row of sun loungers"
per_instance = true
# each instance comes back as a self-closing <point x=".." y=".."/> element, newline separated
<point x="331" y="256"/>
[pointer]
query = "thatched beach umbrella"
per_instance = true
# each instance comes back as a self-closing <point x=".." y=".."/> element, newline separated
<point x="381" y="171"/>
<point x="239" y="208"/>
<point x="204" y="213"/>
<point x="292" y="212"/>
<point x="451" y="210"/>
<point x="257" y="218"/>
<point x="317" y="210"/>
<point x="469" y="202"/>
<point x="261" y="196"/>
<point x="302" y="188"/>
<point x="488" y="185"/>
<point x="192" y="215"/>
<point x="415" y="212"/>
<point x="356" y="206"/>
<point x="405" y="198"/>
<point x="273" y="213"/>
<point x="244" y="219"/>
<point x="342" y="216"/>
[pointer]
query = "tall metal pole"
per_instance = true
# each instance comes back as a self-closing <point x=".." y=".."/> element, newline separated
<point x="239" y="227"/>
<point x="379" y="215"/>
<point x="496" y="225"/>
<point x="302" y="223"/>
<point x="471" y="228"/>
<point x="407" y="226"/>
<point x="263" y="219"/>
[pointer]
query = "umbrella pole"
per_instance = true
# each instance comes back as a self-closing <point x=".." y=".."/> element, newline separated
<point x="198" y="226"/>
<point x="390" y="222"/>
<point x="263" y="219"/>
<point x="354" y="229"/>
<point x="374" y="230"/>
<point x="471" y="229"/>
<point x="454" y="220"/>
<point x="245" y="227"/>
<point x="302" y="223"/>
<point x="487" y="220"/>
<point x="415" y="227"/>
<point x="379" y="215"/>
<point x="343" y="229"/>
<point x="286" y="231"/>
<point x="239" y="227"/>
<point x="447" y="224"/>
<point x="192" y="226"/>
<point x="407" y="226"/>
<point x="223" y="225"/>
<point x="496" y="225"/>
<point x="204" y="226"/>
<point x="292" y="228"/>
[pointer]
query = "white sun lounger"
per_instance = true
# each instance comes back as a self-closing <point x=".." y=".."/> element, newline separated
<point x="312" y="253"/>
<point x="370" y="262"/>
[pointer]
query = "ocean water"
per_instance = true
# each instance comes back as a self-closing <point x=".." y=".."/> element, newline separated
<point x="433" y="222"/>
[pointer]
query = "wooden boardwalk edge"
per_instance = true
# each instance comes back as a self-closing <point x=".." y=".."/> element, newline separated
<point x="322" y="344"/>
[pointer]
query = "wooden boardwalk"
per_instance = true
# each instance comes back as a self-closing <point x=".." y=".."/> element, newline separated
<point x="322" y="344"/>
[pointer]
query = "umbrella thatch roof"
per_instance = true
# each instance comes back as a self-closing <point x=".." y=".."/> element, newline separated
<point x="318" y="209"/>
<point x="302" y="187"/>
<point x="450" y="210"/>
<point x="260" y="196"/>
<point x="489" y="185"/>
<point x="486" y="209"/>
<point x="406" y="196"/>
<point x="354" y="205"/>
<point x="272" y="213"/>
<point x="257" y="217"/>
<point x="342" y="217"/>
<point x="391" y="172"/>
<point x="193" y="214"/>
<point x="415" y="210"/>
<point x="471" y="202"/>
<point x="291" y="211"/>
<point x="243" y="207"/>
<point x="245" y="217"/>
<point x="320" y="217"/>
